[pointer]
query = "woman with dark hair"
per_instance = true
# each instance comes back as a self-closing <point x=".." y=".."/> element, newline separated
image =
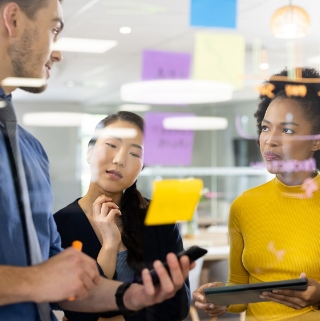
<point x="109" y="218"/>
<point x="274" y="228"/>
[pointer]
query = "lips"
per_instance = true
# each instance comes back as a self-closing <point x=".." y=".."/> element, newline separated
<point x="269" y="156"/>
<point x="115" y="173"/>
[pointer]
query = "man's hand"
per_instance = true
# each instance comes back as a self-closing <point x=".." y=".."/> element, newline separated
<point x="296" y="299"/>
<point x="68" y="274"/>
<point x="209" y="308"/>
<point x="140" y="296"/>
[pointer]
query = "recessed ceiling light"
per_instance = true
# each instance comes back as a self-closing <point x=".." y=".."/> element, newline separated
<point x="176" y="92"/>
<point x="84" y="45"/>
<point x="53" y="119"/>
<point x="23" y="82"/>
<point x="264" y="66"/>
<point x="195" y="123"/>
<point x="134" y="108"/>
<point x="125" y="30"/>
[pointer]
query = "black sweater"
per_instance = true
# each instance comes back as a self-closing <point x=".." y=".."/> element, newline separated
<point x="158" y="241"/>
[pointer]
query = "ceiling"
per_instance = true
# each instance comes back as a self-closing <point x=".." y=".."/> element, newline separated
<point x="159" y="25"/>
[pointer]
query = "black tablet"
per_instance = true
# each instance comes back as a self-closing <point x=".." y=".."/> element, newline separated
<point x="249" y="293"/>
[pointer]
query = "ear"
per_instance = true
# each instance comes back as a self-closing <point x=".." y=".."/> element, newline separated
<point x="316" y="145"/>
<point x="89" y="154"/>
<point x="11" y="14"/>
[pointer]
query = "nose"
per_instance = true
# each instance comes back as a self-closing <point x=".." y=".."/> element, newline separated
<point x="119" y="159"/>
<point x="272" y="139"/>
<point x="56" y="56"/>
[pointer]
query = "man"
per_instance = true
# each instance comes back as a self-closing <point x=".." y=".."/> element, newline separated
<point x="28" y="29"/>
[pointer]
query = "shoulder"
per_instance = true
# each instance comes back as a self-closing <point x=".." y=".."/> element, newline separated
<point x="252" y="196"/>
<point x="68" y="211"/>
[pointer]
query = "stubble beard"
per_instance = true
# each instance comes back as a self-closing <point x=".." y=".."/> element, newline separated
<point x="22" y="55"/>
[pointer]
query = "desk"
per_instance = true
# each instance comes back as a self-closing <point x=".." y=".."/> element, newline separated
<point x="216" y="242"/>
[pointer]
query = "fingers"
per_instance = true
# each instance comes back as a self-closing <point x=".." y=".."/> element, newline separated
<point x="201" y="299"/>
<point x="97" y="205"/>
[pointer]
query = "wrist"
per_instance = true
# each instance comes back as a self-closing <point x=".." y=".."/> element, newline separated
<point x="124" y="300"/>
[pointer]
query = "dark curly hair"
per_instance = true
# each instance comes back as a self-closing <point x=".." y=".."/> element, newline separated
<point x="310" y="103"/>
<point x="133" y="205"/>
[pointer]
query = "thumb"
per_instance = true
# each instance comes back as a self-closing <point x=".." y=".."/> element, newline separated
<point x="112" y="214"/>
<point x="302" y="275"/>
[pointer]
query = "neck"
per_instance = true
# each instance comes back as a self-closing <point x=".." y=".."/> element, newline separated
<point x="292" y="179"/>
<point x="93" y="193"/>
<point x="6" y="69"/>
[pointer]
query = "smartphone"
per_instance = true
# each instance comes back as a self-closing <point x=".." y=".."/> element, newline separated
<point x="194" y="253"/>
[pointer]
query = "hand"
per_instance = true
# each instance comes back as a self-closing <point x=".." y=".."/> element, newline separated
<point x="296" y="299"/>
<point x="209" y="308"/>
<point x="104" y="213"/>
<point x="68" y="274"/>
<point x="140" y="296"/>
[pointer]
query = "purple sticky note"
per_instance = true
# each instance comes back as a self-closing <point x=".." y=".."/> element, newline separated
<point x="166" y="147"/>
<point x="165" y="65"/>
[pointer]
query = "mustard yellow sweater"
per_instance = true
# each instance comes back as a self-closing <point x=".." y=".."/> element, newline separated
<point x="274" y="235"/>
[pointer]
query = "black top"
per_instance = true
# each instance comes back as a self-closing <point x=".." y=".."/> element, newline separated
<point x="158" y="241"/>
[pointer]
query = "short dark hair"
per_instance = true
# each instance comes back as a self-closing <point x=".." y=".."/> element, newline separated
<point x="310" y="102"/>
<point x="29" y="7"/>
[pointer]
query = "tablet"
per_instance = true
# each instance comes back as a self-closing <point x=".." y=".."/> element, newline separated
<point x="249" y="293"/>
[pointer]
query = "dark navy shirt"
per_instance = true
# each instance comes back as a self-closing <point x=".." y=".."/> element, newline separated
<point x="12" y="248"/>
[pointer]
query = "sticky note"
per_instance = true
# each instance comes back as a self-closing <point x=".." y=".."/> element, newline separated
<point x="173" y="200"/>
<point x="219" y="57"/>
<point x="166" y="147"/>
<point x="213" y="13"/>
<point x="165" y="65"/>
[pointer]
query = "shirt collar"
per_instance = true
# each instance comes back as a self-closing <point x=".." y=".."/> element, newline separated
<point x="4" y="96"/>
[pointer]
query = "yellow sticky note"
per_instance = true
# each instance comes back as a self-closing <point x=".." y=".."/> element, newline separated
<point x="219" y="57"/>
<point x="173" y="200"/>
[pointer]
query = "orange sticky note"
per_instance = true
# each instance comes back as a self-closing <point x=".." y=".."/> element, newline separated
<point x="173" y="200"/>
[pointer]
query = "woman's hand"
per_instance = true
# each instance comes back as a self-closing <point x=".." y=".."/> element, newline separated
<point x="209" y="308"/>
<point x="104" y="213"/>
<point x="296" y="299"/>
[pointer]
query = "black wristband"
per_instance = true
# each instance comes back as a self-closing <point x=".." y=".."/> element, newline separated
<point x="119" y="299"/>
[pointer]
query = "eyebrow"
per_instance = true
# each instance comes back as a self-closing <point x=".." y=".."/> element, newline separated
<point x="133" y="145"/>
<point x="61" y="23"/>
<point x="283" y="123"/>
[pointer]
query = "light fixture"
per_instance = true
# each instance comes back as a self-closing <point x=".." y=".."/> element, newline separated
<point x="52" y="119"/>
<point x="84" y="45"/>
<point x="195" y="123"/>
<point x="134" y="107"/>
<point x="290" y="22"/>
<point x="23" y="82"/>
<point x="125" y="30"/>
<point x="176" y="92"/>
<point x="264" y="66"/>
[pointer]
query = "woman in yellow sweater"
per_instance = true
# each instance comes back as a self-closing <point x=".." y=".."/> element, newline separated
<point x="274" y="228"/>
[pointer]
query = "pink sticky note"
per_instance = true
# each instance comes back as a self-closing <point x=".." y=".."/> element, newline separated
<point x="166" y="147"/>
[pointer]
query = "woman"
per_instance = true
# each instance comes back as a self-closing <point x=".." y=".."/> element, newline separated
<point x="274" y="228"/>
<point x="109" y="218"/>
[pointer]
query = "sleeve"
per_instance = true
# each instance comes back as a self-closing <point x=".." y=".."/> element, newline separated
<point x="176" y="308"/>
<point x="55" y="240"/>
<point x="237" y="273"/>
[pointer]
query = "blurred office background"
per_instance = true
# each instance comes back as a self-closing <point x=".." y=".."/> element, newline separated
<point x="90" y="83"/>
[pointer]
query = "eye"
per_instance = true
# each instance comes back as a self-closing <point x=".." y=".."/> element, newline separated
<point x="135" y="155"/>
<point x="264" y="128"/>
<point x="288" y="131"/>
<point x="111" y="145"/>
